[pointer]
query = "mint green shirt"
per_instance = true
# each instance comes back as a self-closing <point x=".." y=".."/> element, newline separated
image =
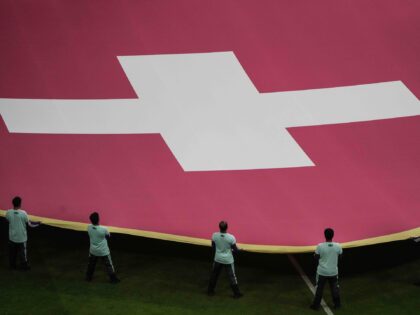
<point x="18" y="219"/>
<point x="223" y="242"/>
<point x="98" y="242"/>
<point x="328" y="258"/>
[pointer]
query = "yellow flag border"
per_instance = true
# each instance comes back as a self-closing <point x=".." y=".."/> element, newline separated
<point x="273" y="249"/>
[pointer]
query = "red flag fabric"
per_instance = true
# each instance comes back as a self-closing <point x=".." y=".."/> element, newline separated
<point x="365" y="178"/>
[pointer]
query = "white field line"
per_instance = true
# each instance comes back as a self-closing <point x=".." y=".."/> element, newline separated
<point x="308" y="282"/>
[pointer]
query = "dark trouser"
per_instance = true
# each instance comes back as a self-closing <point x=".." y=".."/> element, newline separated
<point x="108" y="264"/>
<point x="18" y="251"/>
<point x="320" y="283"/>
<point x="230" y="269"/>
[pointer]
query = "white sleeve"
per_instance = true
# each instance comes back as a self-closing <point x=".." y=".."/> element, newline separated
<point x="233" y="240"/>
<point x="317" y="250"/>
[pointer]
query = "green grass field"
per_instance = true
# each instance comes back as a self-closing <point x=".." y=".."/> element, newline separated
<point x="168" y="278"/>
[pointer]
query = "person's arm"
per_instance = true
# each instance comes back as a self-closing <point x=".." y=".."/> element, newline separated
<point x="107" y="235"/>
<point x="317" y="254"/>
<point x="213" y="248"/>
<point x="235" y="248"/>
<point x="34" y="224"/>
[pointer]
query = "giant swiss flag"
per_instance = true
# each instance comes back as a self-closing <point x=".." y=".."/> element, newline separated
<point x="281" y="117"/>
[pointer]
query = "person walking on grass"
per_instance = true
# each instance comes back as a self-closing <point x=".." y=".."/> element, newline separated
<point x="327" y="254"/>
<point x="99" y="236"/>
<point x="223" y="245"/>
<point x="18" y="237"/>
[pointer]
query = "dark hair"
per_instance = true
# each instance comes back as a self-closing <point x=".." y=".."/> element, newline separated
<point x="329" y="233"/>
<point x="223" y="226"/>
<point x="17" y="201"/>
<point x="94" y="218"/>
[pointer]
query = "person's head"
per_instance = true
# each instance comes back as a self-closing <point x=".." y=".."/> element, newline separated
<point x="329" y="234"/>
<point x="94" y="218"/>
<point x="17" y="202"/>
<point x="223" y="226"/>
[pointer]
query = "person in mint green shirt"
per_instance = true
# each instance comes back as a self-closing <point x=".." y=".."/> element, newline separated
<point x="327" y="254"/>
<point x="99" y="236"/>
<point x="223" y="245"/>
<point x="18" y="237"/>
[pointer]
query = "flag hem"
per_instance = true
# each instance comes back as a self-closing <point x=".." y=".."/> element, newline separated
<point x="273" y="249"/>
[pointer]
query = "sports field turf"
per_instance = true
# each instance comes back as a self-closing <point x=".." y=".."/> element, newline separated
<point x="169" y="278"/>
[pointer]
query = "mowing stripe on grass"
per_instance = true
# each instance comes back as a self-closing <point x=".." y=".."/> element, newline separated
<point x="308" y="282"/>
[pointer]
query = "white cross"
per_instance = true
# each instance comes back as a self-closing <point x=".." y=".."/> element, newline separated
<point x="209" y="112"/>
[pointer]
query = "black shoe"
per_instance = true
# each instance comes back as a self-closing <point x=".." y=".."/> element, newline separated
<point x="337" y="306"/>
<point x="210" y="293"/>
<point x="314" y="307"/>
<point x="88" y="279"/>
<point x="236" y="293"/>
